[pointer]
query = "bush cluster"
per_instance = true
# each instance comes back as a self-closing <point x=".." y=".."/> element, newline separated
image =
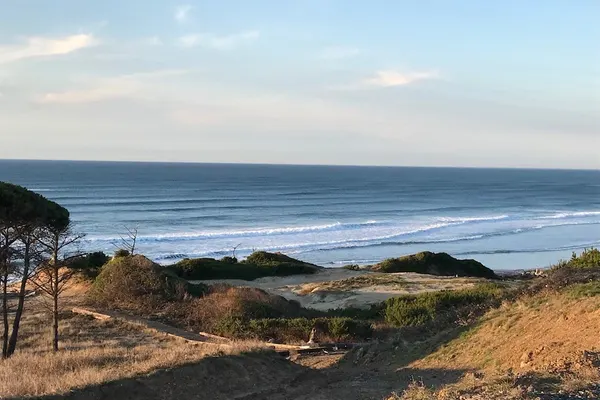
<point x="420" y="309"/>
<point x="259" y="264"/>
<point x="89" y="264"/>
<point x="580" y="269"/>
<point x="435" y="264"/>
<point x="333" y="329"/>
<point x="135" y="283"/>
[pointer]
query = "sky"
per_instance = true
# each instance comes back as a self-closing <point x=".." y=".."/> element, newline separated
<point x="381" y="82"/>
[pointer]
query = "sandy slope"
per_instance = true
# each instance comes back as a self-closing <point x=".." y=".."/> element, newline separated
<point x="337" y="287"/>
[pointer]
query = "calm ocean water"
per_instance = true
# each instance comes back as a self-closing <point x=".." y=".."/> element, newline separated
<point x="508" y="219"/>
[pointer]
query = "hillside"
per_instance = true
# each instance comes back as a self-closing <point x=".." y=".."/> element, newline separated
<point x="536" y="338"/>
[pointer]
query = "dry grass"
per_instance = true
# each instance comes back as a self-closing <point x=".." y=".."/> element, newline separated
<point x="399" y="282"/>
<point x="415" y="391"/>
<point x="539" y="344"/>
<point x="93" y="352"/>
<point x="355" y="282"/>
<point x="541" y="333"/>
<point x="477" y="386"/>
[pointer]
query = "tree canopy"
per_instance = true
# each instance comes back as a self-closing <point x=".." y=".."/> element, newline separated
<point x="22" y="207"/>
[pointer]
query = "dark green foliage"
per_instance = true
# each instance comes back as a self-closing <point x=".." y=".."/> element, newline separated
<point x="584" y="268"/>
<point x="136" y="283"/>
<point x="373" y="313"/>
<point x="435" y="264"/>
<point x="122" y="253"/>
<point x="258" y="265"/>
<point x="296" y="329"/>
<point x="22" y="207"/>
<point x="97" y="259"/>
<point x="264" y="258"/>
<point x="588" y="259"/>
<point x="415" y="310"/>
<point x="89" y="264"/>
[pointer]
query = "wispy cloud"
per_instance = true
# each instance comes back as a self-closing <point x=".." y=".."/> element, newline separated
<point x="339" y="52"/>
<point x="102" y="89"/>
<point x="153" y="41"/>
<point x="391" y="78"/>
<point x="182" y="13"/>
<point x="213" y="41"/>
<point x="44" y="47"/>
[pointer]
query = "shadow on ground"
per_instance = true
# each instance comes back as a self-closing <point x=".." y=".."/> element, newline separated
<point x="371" y="373"/>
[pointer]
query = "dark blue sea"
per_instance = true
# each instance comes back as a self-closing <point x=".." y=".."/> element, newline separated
<point x="506" y="218"/>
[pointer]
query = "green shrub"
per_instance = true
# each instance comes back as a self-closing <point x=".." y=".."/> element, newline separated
<point x="435" y="264"/>
<point x="89" y="264"/>
<point x="122" y="253"/>
<point x="589" y="258"/>
<point x="581" y="290"/>
<point x="259" y="264"/>
<point x="138" y="284"/>
<point x="298" y="329"/>
<point x="584" y="268"/>
<point x="415" y="310"/>
<point x="374" y="312"/>
<point x="266" y="258"/>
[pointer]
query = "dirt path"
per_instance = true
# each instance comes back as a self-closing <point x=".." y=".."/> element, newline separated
<point x="200" y="337"/>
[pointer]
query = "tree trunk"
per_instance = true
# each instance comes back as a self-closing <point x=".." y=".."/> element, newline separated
<point x="4" y="282"/>
<point x="5" y="312"/>
<point x="12" y="343"/>
<point x="55" y="294"/>
<point x="55" y="323"/>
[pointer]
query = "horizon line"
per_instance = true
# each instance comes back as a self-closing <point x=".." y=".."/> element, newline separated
<point x="294" y="164"/>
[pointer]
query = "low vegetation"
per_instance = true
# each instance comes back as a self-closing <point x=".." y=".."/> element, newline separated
<point x="293" y="330"/>
<point x="580" y="269"/>
<point x="423" y="308"/>
<point x="435" y="264"/>
<point x="93" y="352"/>
<point x="89" y="264"/>
<point x="258" y="265"/>
<point x="135" y="283"/>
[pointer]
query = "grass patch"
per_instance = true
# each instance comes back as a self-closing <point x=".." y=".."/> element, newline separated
<point x="581" y="290"/>
<point x="420" y="309"/>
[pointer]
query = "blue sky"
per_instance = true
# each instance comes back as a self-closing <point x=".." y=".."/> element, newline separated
<point x="452" y="83"/>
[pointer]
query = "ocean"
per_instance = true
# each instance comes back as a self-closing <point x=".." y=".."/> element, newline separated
<point x="329" y="215"/>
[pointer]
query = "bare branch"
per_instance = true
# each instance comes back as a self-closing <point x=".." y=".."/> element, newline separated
<point x="128" y="241"/>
